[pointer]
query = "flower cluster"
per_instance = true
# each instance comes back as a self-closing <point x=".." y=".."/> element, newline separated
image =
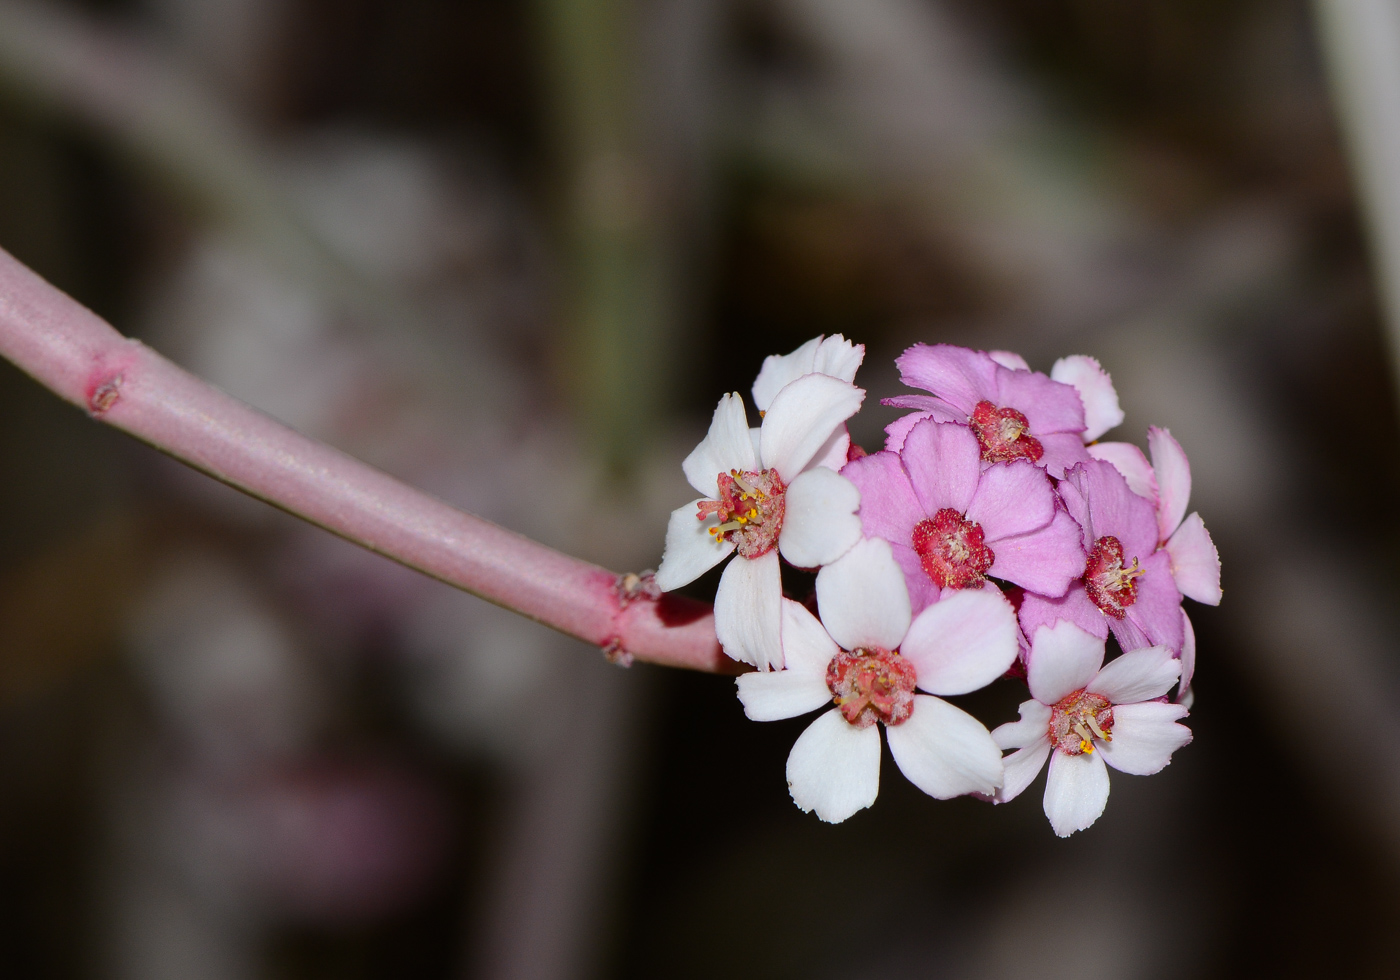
<point x="994" y="535"/>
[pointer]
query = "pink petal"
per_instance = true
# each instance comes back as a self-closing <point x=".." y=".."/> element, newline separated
<point x="943" y="461"/>
<point x="964" y="642"/>
<point x="778" y="694"/>
<point x="1195" y="562"/>
<point x="1097" y="496"/>
<point x="922" y="591"/>
<point x="1144" y="737"/>
<point x="1157" y="611"/>
<point x="1173" y="479"/>
<point x="1011" y="498"/>
<point x="1048" y="406"/>
<point x="1139" y="675"/>
<point x="807" y="648"/>
<point x="819" y="521"/>
<point x="1045" y="562"/>
<point x="888" y="507"/>
<point x="958" y="375"/>
<point x="1063" y="659"/>
<point x="748" y="611"/>
<point x="1062" y="450"/>
<point x="1096" y="391"/>
<point x="928" y="404"/>
<point x="945" y="751"/>
<point x="1009" y="359"/>
<point x="726" y="447"/>
<point x="801" y="419"/>
<point x="1020" y="769"/>
<point x="863" y="599"/>
<point x="1076" y="791"/>
<point x="1074" y="606"/>
<point x="691" y="550"/>
<point x="1128" y="460"/>
<point x="1188" y="656"/>
<point x="897" y="430"/>
<point x="1030" y="729"/>
<point x="834" y="768"/>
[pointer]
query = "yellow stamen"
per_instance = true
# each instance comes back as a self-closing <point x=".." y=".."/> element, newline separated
<point x="1085" y="745"/>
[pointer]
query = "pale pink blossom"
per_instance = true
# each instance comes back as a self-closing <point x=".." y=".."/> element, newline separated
<point x="1015" y="412"/>
<point x="952" y="522"/>
<point x="1101" y="409"/>
<point x="761" y="497"/>
<point x="867" y="656"/>
<point x="834" y="356"/>
<point x="1083" y="714"/>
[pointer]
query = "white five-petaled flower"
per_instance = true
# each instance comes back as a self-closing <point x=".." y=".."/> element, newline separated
<point x="764" y="495"/>
<point x="867" y="658"/>
<point x="1083" y="714"/>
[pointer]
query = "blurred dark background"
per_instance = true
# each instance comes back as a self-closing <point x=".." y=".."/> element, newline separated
<point x="512" y="253"/>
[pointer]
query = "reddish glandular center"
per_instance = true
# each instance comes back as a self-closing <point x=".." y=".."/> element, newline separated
<point x="951" y="549"/>
<point x="1003" y="434"/>
<point x="1111" y="585"/>
<point x="1079" y="719"/>
<point x="750" y="510"/>
<point x="870" y="685"/>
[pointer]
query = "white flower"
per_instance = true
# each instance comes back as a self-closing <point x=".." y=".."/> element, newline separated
<point x="763" y="496"/>
<point x="1083" y="714"/>
<point x="866" y="657"/>
<point x="1096" y="391"/>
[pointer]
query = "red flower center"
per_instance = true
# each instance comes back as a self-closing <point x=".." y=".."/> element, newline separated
<point x="1002" y="433"/>
<point x="871" y="685"/>
<point x="951" y="549"/>
<point x="1112" y="586"/>
<point x="1079" y="719"/>
<point x="750" y="509"/>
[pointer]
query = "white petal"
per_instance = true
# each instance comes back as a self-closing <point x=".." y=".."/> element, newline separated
<point x="726" y="447"/>
<point x="1076" y="791"/>
<point x="964" y="642"/>
<point x="945" y="751"/>
<point x="1195" y="562"/>
<point x="781" y="694"/>
<point x="1138" y="675"/>
<point x="1035" y="720"/>
<point x="1095" y="387"/>
<point x="691" y="550"/>
<point x="1021" y="767"/>
<point x="834" y="768"/>
<point x="863" y="599"/>
<point x="1188" y="658"/>
<point x="1009" y="359"/>
<point x="1144" y="737"/>
<point x="819" y="520"/>
<point x="835" y="452"/>
<point x="780" y="370"/>
<point x="838" y="357"/>
<point x="748" y="611"/>
<point x="1128" y="460"/>
<point x="801" y="419"/>
<point x="1063" y="659"/>
<point x="807" y="649"/>
<point x="1173" y="479"/>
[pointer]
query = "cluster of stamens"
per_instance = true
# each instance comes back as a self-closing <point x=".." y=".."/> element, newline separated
<point x="952" y="550"/>
<point x="1079" y="719"/>
<point x="1002" y="434"/>
<point x="750" y="510"/>
<point x="1112" y="586"/>
<point x="871" y="685"/>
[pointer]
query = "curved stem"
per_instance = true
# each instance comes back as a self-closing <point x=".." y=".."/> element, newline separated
<point x="83" y="360"/>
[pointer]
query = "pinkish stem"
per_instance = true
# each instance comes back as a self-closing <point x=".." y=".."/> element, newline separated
<point x="124" y="383"/>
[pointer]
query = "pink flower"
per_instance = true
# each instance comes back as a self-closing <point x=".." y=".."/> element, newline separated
<point x="1089" y="714"/>
<point x="1127" y="585"/>
<point x="763" y="495"/>
<point x="1016" y="413"/>
<point x="867" y="658"/>
<point x="1166" y="481"/>
<point x="951" y="522"/>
